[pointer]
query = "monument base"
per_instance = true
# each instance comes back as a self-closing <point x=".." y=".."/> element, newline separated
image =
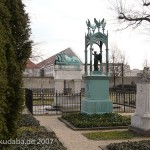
<point x="96" y="106"/>
<point x="139" y="131"/>
<point x="140" y="125"/>
<point x="97" y="94"/>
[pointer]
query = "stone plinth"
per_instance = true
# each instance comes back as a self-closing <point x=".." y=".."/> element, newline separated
<point x="71" y="74"/>
<point x="140" y="121"/>
<point x="97" y="95"/>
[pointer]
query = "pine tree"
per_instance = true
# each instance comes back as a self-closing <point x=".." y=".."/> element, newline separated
<point x="18" y="50"/>
<point x="4" y="39"/>
<point x="21" y="32"/>
<point x="15" y="49"/>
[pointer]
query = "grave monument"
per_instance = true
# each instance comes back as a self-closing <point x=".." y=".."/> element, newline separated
<point x="67" y="76"/>
<point x="96" y="80"/>
<point x="140" y="120"/>
<point x="67" y="72"/>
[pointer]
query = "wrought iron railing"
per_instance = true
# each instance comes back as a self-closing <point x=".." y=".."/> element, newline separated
<point x="47" y="101"/>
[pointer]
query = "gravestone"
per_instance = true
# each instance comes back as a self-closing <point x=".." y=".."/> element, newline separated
<point x="140" y="121"/>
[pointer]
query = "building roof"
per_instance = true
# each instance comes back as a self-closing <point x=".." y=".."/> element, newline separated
<point x="51" y="60"/>
<point x="30" y="64"/>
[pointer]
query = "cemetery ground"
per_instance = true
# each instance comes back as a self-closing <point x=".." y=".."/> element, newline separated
<point x="76" y="139"/>
<point x="32" y="136"/>
<point x="49" y="133"/>
<point x="82" y="136"/>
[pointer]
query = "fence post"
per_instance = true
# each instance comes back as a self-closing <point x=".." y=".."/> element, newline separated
<point x="80" y="101"/>
<point x="124" y="101"/>
<point x="56" y="103"/>
<point x="29" y="100"/>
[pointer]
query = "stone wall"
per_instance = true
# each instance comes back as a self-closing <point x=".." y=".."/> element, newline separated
<point x="57" y="84"/>
<point x="127" y="80"/>
<point x="38" y="82"/>
<point x="76" y="84"/>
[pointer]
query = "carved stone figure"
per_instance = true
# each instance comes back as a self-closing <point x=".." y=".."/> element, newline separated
<point x="62" y="58"/>
<point x="88" y="23"/>
<point x="98" y="23"/>
<point x="97" y="57"/>
<point x="145" y="75"/>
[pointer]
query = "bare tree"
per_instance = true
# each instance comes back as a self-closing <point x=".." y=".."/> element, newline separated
<point x="124" y="67"/>
<point x="35" y="55"/>
<point x="131" y="13"/>
<point x="145" y="62"/>
<point x="118" y="64"/>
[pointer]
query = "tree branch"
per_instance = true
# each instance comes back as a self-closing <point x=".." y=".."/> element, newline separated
<point x="134" y="14"/>
<point x="146" y="4"/>
<point x="123" y="16"/>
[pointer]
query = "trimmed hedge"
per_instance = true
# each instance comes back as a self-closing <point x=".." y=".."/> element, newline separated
<point x="137" y="145"/>
<point x="82" y="120"/>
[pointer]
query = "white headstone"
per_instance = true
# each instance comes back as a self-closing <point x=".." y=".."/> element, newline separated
<point x="140" y="121"/>
<point x="142" y="113"/>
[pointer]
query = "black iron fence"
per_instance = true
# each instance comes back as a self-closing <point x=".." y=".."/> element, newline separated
<point x="28" y="100"/>
<point x="123" y="101"/>
<point x="46" y="101"/>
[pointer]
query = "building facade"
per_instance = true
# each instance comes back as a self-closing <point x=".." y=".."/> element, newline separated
<point x="61" y="72"/>
<point x="65" y="72"/>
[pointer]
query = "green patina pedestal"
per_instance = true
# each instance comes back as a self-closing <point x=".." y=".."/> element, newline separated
<point x="96" y="82"/>
<point x="97" y="95"/>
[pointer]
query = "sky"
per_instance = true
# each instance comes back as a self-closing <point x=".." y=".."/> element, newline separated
<point x="59" y="24"/>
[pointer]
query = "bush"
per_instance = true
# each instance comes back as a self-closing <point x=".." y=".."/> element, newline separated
<point x="30" y="135"/>
<point x="37" y="138"/>
<point x="81" y="120"/>
<point x="125" y="87"/>
<point x="140" y="145"/>
<point x="27" y="120"/>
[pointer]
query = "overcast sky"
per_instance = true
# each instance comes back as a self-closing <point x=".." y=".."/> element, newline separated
<point x="59" y="24"/>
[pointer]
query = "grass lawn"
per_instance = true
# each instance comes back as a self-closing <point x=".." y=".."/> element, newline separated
<point x="111" y="135"/>
<point x="42" y="102"/>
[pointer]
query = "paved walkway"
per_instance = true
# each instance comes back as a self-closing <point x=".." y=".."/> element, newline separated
<point x="73" y="140"/>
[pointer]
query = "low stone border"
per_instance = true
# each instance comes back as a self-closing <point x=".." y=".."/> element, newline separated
<point x="93" y="128"/>
<point x="103" y="147"/>
<point x="145" y="133"/>
<point x="49" y="129"/>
